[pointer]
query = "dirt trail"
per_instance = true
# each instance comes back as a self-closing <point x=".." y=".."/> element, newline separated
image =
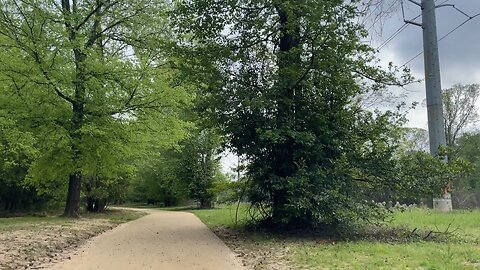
<point x="161" y="240"/>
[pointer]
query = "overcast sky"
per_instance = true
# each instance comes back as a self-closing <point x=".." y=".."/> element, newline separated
<point x="459" y="52"/>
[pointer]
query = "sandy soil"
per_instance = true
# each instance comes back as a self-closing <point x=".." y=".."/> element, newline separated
<point x="34" y="245"/>
<point x="161" y="240"/>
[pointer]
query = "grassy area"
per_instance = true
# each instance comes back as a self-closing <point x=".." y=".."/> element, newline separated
<point x="368" y="255"/>
<point x="224" y="215"/>
<point x="462" y="222"/>
<point x="22" y="222"/>
<point x="315" y="253"/>
<point x="115" y="216"/>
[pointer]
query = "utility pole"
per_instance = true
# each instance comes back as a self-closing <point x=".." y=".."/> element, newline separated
<point x="436" y="128"/>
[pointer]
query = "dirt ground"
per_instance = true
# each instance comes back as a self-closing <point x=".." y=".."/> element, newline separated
<point x="256" y="255"/>
<point x="33" y="246"/>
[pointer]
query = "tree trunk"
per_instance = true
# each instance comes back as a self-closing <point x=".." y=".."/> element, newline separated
<point x="90" y="204"/>
<point x="205" y="203"/>
<point x="288" y="59"/>
<point x="99" y="205"/>
<point x="78" y="113"/>
<point x="75" y="180"/>
<point x="73" y="196"/>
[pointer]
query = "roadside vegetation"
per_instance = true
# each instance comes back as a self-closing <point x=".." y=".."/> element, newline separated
<point x="453" y="242"/>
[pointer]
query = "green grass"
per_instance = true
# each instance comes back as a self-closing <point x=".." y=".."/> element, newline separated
<point x="460" y="221"/>
<point x="368" y="255"/>
<point x="17" y="223"/>
<point x="115" y="215"/>
<point x="327" y="254"/>
<point x="414" y="255"/>
<point x="223" y="216"/>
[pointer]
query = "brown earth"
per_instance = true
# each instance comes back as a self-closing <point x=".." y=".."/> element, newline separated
<point x="36" y="244"/>
<point x="254" y="254"/>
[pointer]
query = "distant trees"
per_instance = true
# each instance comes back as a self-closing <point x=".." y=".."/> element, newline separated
<point x="459" y="109"/>
<point x="468" y="148"/>
<point x="467" y="188"/>
<point x="415" y="139"/>
<point x="199" y="166"/>
<point x="189" y="171"/>
<point x="156" y="180"/>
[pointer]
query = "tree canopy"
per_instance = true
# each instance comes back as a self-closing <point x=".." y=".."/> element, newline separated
<point x="91" y="75"/>
<point x="284" y="79"/>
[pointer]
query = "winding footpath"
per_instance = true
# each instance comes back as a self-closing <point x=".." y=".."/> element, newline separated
<point x="163" y="240"/>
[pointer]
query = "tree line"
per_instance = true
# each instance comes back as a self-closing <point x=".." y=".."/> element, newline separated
<point x="104" y="101"/>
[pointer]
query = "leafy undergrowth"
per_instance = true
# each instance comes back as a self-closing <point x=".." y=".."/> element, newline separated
<point x="32" y="242"/>
<point x="415" y="239"/>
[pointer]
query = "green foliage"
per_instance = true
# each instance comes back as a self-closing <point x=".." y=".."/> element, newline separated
<point x="189" y="171"/>
<point x="157" y="181"/>
<point x="90" y="79"/>
<point x="468" y="149"/>
<point x="17" y="152"/>
<point x="281" y="79"/>
<point x="419" y="175"/>
<point x="414" y="139"/>
<point x="466" y="189"/>
<point x="199" y="166"/>
<point x="228" y="191"/>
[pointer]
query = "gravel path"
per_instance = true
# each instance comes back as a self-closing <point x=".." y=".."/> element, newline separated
<point x="161" y="240"/>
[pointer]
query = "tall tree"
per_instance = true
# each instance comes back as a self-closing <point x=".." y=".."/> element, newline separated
<point x="92" y="69"/>
<point x="199" y="165"/>
<point x="459" y="109"/>
<point x="282" y="82"/>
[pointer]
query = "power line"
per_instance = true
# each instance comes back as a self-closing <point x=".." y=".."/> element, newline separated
<point x="393" y="36"/>
<point x="413" y="58"/>
<point x="444" y="36"/>
<point x="403" y="27"/>
<point x="460" y="25"/>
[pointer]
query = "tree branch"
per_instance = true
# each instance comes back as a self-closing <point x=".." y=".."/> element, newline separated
<point x="89" y="15"/>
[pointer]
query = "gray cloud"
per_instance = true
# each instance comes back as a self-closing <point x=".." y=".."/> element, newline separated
<point x="459" y="52"/>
